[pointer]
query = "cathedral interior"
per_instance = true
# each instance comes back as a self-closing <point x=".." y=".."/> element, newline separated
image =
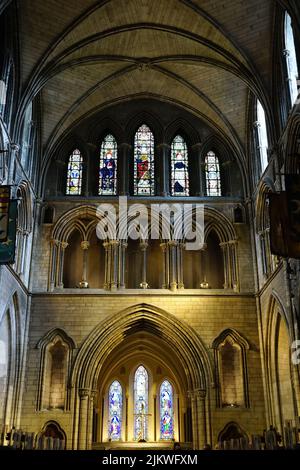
<point x="118" y="341"/>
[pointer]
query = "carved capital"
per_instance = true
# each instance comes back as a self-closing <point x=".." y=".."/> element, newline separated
<point x="85" y="245"/>
<point x="84" y="392"/>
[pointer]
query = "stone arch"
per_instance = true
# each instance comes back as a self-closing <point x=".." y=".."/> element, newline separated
<point x="236" y="340"/>
<point x="281" y="380"/>
<point x="55" y="337"/>
<point x="91" y="357"/>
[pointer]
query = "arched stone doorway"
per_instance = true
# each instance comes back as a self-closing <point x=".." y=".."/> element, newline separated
<point x="169" y="350"/>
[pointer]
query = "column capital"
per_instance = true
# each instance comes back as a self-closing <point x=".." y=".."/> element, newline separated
<point x="64" y="244"/>
<point x="200" y="393"/>
<point x="172" y="243"/>
<point x="143" y="245"/>
<point x="85" y="244"/>
<point x="84" y="392"/>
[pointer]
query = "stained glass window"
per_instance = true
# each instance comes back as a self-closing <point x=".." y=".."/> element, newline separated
<point x="262" y="135"/>
<point x="141" y="404"/>
<point x="144" y="162"/>
<point x="108" y="166"/>
<point x="74" y="175"/>
<point x="179" y="167"/>
<point x="291" y="58"/>
<point x="166" y="410"/>
<point x="212" y="175"/>
<point x="115" y="403"/>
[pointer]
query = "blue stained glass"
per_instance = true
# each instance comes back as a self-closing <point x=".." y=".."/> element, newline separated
<point x="74" y="175"/>
<point x="115" y="400"/>
<point x="179" y="167"/>
<point x="141" y="404"/>
<point x="144" y="162"/>
<point x="108" y="166"/>
<point x="166" y="411"/>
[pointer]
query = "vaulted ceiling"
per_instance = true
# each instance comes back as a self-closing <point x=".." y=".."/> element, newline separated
<point x="204" y="55"/>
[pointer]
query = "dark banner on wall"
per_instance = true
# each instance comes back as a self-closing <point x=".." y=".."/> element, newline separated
<point x="284" y="226"/>
<point x="7" y="247"/>
<point x="4" y="209"/>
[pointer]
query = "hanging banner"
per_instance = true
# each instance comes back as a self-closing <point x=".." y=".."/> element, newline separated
<point x="284" y="239"/>
<point x="4" y="208"/>
<point x="7" y="248"/>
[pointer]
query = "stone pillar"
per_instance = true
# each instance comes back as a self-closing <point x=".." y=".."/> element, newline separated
<point x="114" y="264"/>
<point x="234" y="265"/>
<point x="179" y="253"/>
<point x="60" y="263"/>
<point x="92" y="398"/>
<point x="173" y="264"/>
<point x="124" y="152"/>
<point x="143" y="247"/>
<point x="122" y="263"/>
<point x="201" y="417"/>
<point x="84" y="282"/>
<point x="163" y="185"/>
<point x="83" y="418"/>
<point x="165" y="265"/>
<point x="107" y="248"/>
<point x="226" y="262"/>
<point x="203" y="254"/>
<point x="195" y="173"/>
<point x="194" y="420"/>
<point x="53" y="266"/>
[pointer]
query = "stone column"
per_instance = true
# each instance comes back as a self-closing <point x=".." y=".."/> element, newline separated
<point x="143" y="247"/>
<point x="122" y="263"/>
<point x="194" y="419"/>
<point x="196" y="181"/>
<point x="107" y="266"/>
<point x="204" y="283"/>
<point x="84" y="282"/>
<point x="60" y="264"/>
<point x="179" y="253"/>
<point x="162" y="153"/>
<point x="124" y="152"/>
<point x="234" y="265"/>
<point x="226" y="263"/>
<point x="83" y="417"/>
<point x="201" y="417"/>
<point x="165" y="265"/>
<point x="114" y="264"/>
<point x="53" y="257"/>
<point x="92" y="398"/>
<point x="173" y="265"/>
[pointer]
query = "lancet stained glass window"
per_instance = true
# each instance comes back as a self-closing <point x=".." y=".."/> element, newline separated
<point x="179" y="167"/>
<point x="74" y="175"/>
<point x="141" y="404"/>
<point x="143" y="162"/>
<point x="291" y="58"/>
<point x="108" y="166"/>
<point x="262" y="135"/>
<point x="115" y="401"/>
<point x="166" y="410"/>
<point x="212" y="175"/>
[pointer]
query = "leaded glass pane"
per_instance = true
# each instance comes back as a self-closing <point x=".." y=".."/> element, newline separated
<point x="108" y="166"/>
<point x="179" y="167"/>
<point x="74" y="175"/>
<point x="212" y="173"/>
<point x="115" y="400"/>
<point x="141" y="404"/>
<point x="166" y="411"/>
<point x="291" y="58"/>
<point x="144" y="162"/>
